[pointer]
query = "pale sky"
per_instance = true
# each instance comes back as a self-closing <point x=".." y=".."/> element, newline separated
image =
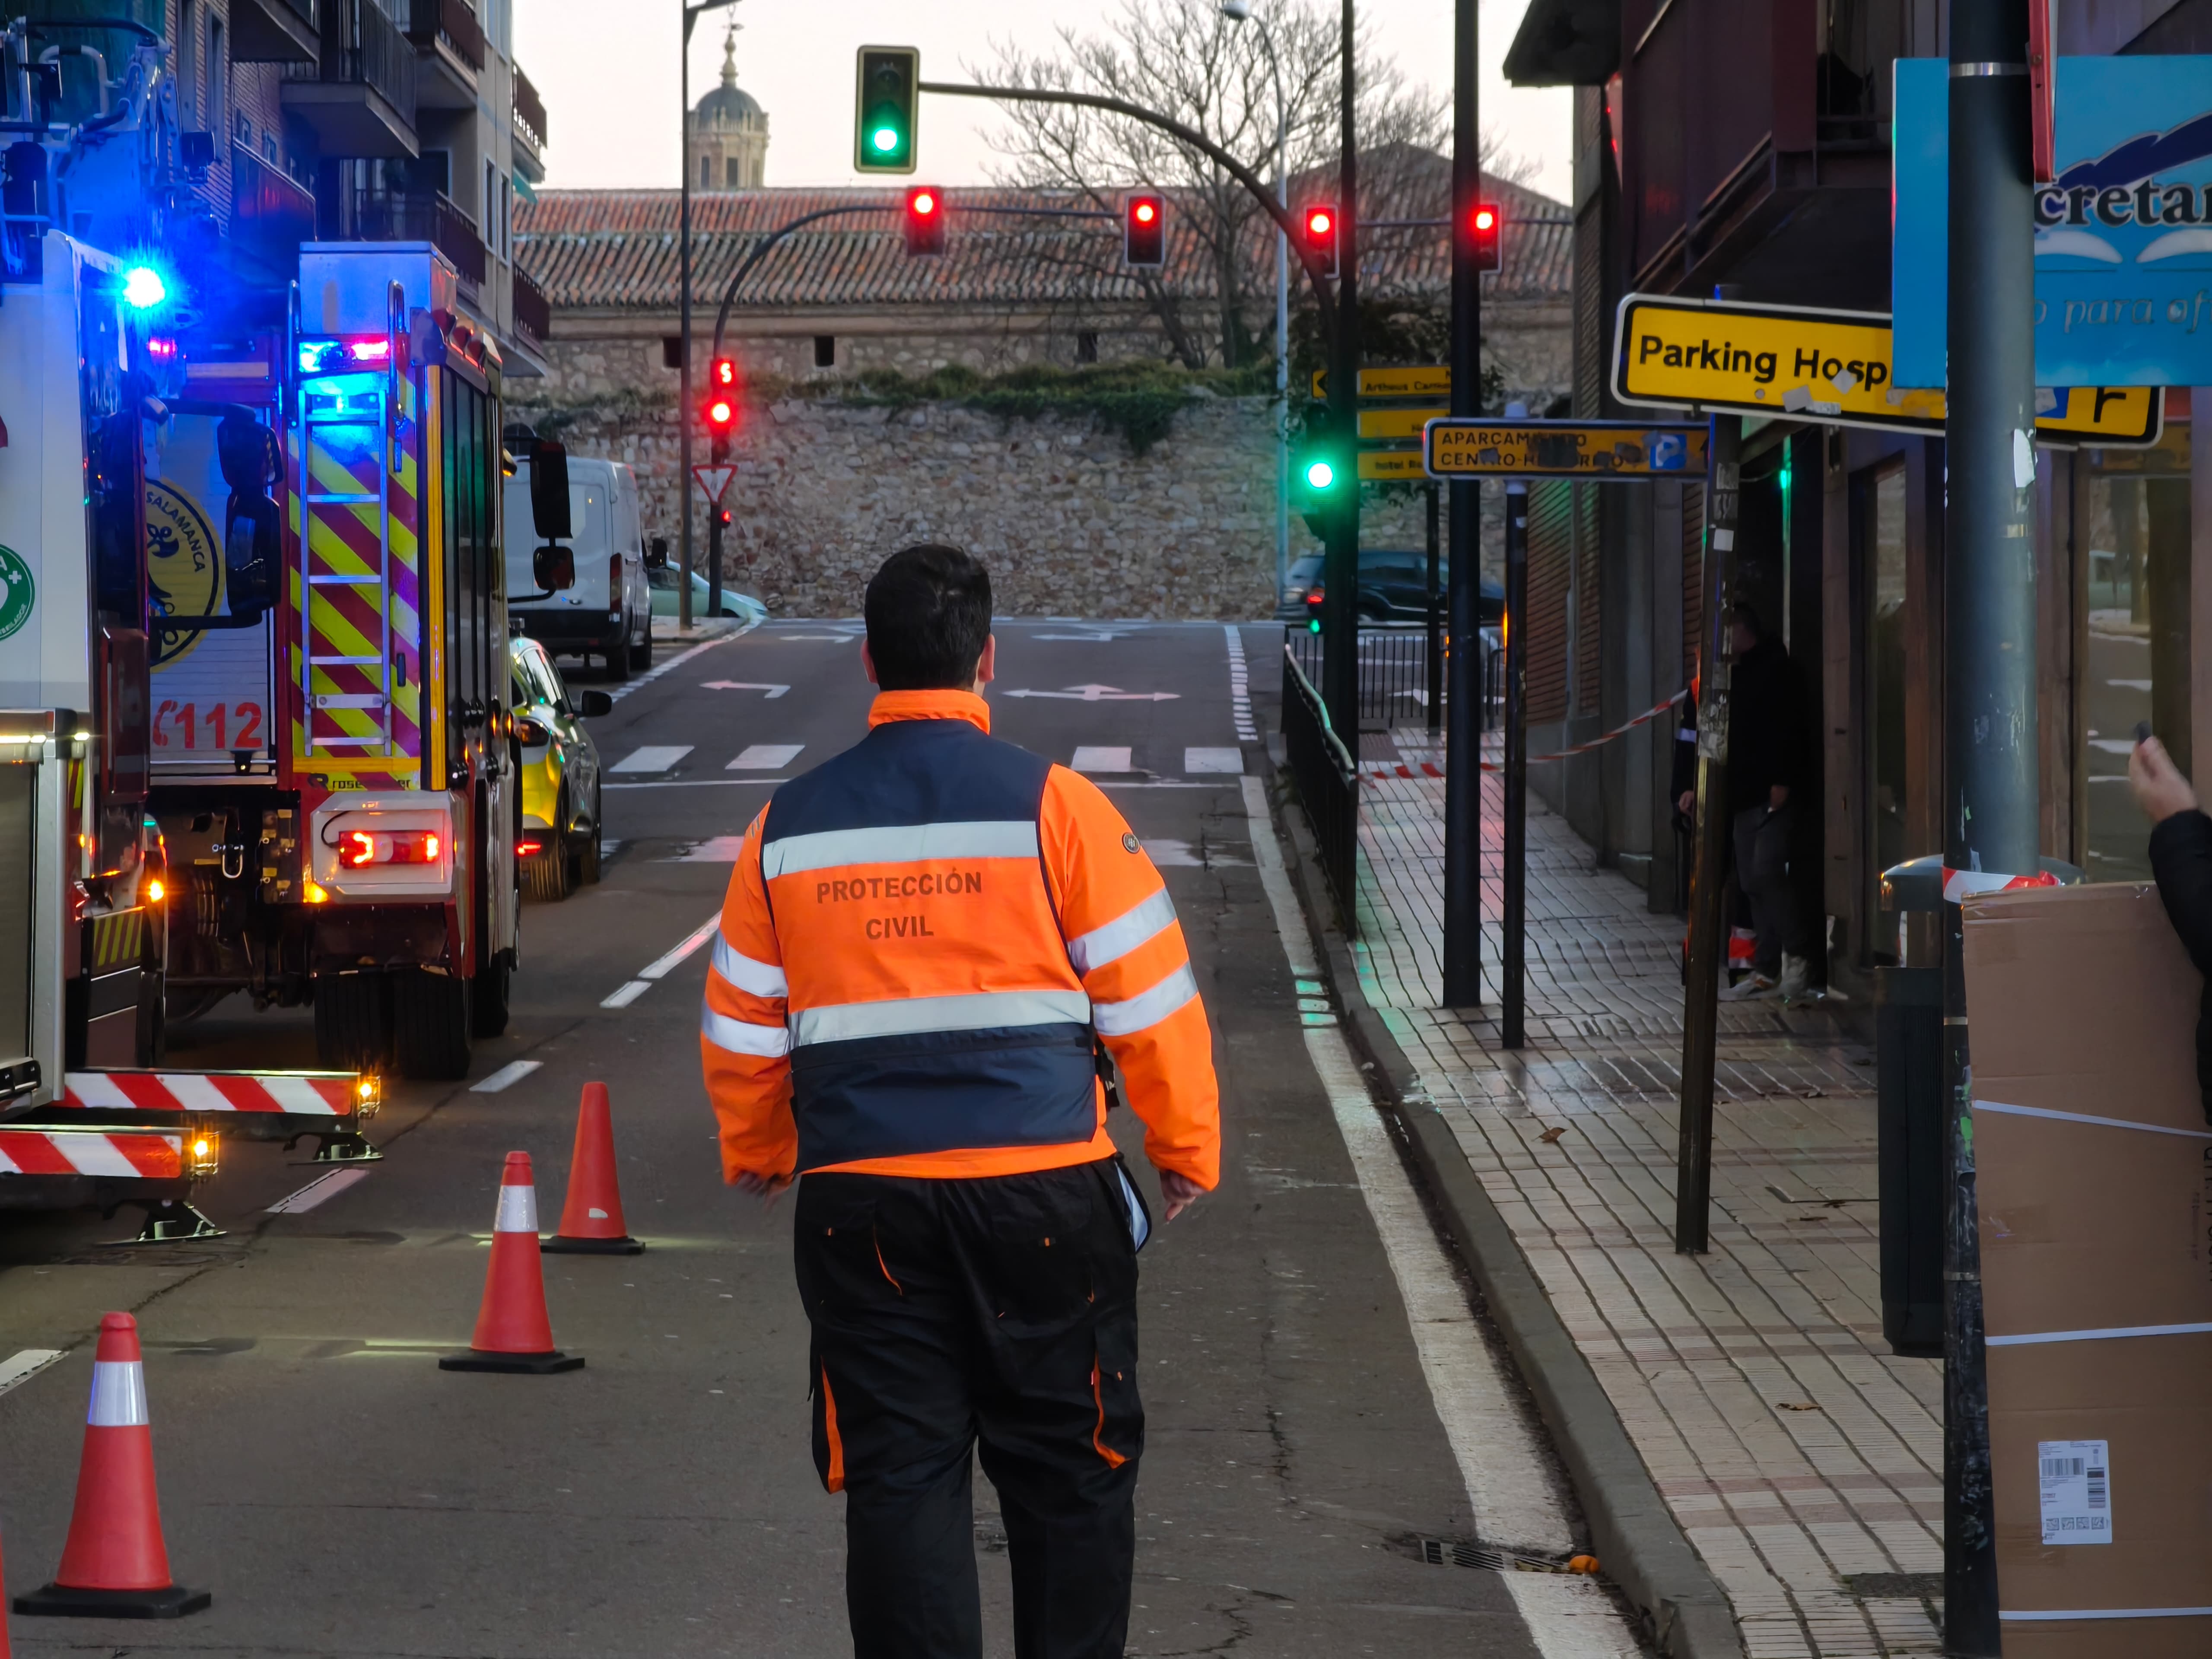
<point x="609" y="77"/>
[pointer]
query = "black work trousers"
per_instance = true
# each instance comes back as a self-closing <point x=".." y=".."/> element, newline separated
<point x="1001" y="1311"/>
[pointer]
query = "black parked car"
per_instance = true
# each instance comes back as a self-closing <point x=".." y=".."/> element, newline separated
<point x="1394" y="586"/>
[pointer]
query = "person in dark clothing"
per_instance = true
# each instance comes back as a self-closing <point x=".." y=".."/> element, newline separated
<point x="1766" y="750"/>
<point x="2181" y="862"/>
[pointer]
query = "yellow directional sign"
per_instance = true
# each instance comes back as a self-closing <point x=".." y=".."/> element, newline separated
<point x="1793" y="363"/>
<point x="1470" y="448"/>
<point x="1429" y="381"/>
<point x="1397" y="422"/>
<point x="1380" y="465"/>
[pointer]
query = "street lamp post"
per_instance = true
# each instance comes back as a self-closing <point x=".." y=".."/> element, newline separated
<point x="1237" y="11"/>
<point x="693" y="11"/>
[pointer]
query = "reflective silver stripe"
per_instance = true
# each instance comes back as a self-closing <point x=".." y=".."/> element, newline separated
<point x="1147" y="1008"/>
<point x="982" y="1011"/>
<point x="762" y="979"/>
<point x="902" y="843"/>
<point x="741" y="1036"/>
<point x="1123" y="935"/>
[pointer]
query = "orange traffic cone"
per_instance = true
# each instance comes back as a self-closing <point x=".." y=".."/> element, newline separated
<point x="591" y="1220"/>
<point x="115" y="1565"/>
<point x="513" y="1332"/>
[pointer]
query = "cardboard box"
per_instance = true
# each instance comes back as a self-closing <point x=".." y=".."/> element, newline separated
<point x="2094" y="1171"/>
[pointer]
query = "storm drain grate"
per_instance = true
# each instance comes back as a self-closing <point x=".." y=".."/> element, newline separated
<point x="1895" y="1586"/>
<point x="1464" y="1553"/>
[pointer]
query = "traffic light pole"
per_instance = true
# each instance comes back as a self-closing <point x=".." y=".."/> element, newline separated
<point x="1990" y="817"/>
<point x="1693" y="1158"/>
<point x="1462" y="959"/>
<point x="718" y="451"/>
<point x="693" y="10"/>
<point x="1339" y="622"/>
<point x="1513" y="895"/>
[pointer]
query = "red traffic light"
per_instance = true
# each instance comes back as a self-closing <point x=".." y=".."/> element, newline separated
<point x="720" y="412"/>
<point x="1143" y="232"/>
<point x="1488" y="222"/>
<point x="1321" y="236"/>
<point x="924" y="220"/>
<point x="723" y="373"/>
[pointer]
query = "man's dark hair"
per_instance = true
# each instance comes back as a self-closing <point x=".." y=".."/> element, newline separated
<point x="1747" y="614"/>
<point x="928" y="610"/>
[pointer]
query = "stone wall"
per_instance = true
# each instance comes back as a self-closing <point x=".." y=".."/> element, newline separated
<point x="1070" y="521"/>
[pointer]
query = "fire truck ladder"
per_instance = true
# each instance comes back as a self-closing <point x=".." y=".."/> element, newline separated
<point x="376" y="411"/>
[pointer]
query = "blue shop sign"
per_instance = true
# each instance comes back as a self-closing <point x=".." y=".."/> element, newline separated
<point x="2123" y="240"/>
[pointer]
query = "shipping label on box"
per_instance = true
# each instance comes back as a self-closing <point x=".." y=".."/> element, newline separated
<point x="2077" y="1491"/>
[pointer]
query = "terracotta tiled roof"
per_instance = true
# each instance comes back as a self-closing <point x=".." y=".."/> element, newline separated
<point x="616" y="249"/>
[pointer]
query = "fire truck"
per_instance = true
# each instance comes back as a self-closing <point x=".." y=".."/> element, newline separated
<point x="332" y="760"/>
<point x="88" y="889"/>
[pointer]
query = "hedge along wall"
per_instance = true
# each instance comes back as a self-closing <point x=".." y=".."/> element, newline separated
<point x="1070" y="518"/>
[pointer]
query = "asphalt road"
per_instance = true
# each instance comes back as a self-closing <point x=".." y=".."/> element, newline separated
<point x="342" y="1496"/>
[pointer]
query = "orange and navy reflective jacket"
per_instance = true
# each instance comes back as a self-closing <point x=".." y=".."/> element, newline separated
<point x="924" y="938"/>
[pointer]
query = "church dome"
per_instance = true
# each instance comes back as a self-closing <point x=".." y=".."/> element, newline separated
<point x="727" y="106"/>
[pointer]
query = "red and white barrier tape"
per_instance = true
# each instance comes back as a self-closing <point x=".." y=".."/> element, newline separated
<point x="1644" y="719"/>
<point x="298" y="1094"/>
<point x="141" y="1156"/>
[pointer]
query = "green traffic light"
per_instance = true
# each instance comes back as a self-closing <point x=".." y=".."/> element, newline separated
<point x="1314" y="627"/>
<point x="885" y="139"/>
<point x="1320" y="474"/>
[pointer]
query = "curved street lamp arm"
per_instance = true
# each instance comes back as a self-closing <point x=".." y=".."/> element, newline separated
<point x="1323" y="291"/>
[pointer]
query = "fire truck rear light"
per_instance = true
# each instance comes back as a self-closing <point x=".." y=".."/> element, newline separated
<point x="205" y="1152"/>
<point x="337" y="357"/>
<point x="528" y="849"/>
<point x="155" y="892"/>
<point x="368" y="1094"/>
<point x="359" y="849"/>
<point x="316" y="893"/>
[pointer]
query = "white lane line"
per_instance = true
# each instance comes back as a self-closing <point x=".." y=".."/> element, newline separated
<point x="19" y="1368"/>
<point x="1240" y="686"/>
<point x="1098" y="758"/>
<point x="513" y="1072"/>
<point x="1509" y="1494"/>
<point x="653" y="757"/>
<point x="319" y="1191"/>
<point x="689" y="783"/>
<point x="1213" y="760"/>
<point x="660" y="967"/>
<point x="629" y="993"/>
<point x="677" y="661"/>
<point x="765" y="757"/>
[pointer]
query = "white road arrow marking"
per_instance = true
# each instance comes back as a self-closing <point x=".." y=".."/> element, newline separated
<point x="1099" y="637"/>
<point x="1100" y="694"/>
<point x="773" y="691"/>
<point x="834" y="639"/>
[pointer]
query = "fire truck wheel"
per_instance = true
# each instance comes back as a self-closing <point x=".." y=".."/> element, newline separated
<point x="353" y="1021"/>
<point x="430" y="1024"/>
<point x="488" y="998"/>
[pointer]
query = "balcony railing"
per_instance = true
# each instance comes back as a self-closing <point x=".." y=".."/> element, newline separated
<point x="269" y="215"/>
<point x="534" y="312"/>
<point x="432" y="219"/>
<point x="449" y="22"/>
<point x="362" y="47"/>
<point x="529" y="111"/>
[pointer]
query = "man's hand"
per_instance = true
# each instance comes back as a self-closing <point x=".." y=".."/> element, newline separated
<point x="1688" y="804"/>
<point x="1177" y="1194"/>
<point x="761" y="1186"/>
<point x="2161" y="790"/>
<point x="1777" y="798"/>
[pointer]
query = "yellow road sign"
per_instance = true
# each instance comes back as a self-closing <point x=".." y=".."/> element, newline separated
<point x="1790" y="362"/>
<point x="1564" y="449"/>
<point x="1429" y="381"/>
<point x="1383" y="464"/>
<point x="1397" y="422"/>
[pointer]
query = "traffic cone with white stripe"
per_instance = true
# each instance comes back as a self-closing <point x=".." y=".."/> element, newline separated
<point x="513" y="1332"/>
<point x="115" y="1565"/>
<point x="591" y="1220"/>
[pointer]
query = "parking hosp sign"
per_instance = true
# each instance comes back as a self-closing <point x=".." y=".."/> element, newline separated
<point x="1834" y="367"/>
<point x="1464" y="448"/>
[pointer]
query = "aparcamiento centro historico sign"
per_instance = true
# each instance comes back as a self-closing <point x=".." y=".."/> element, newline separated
<point x="1468" y="447"/>
<point x="19" y="594"/>
<point x="1794" y="363"/>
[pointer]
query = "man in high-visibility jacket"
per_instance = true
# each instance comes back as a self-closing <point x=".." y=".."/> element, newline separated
<point x="927" y="941"/>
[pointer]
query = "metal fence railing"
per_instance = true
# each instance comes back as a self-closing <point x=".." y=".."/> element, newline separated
<point x="1395" y="685"/>
<point x="1327" y="778"/>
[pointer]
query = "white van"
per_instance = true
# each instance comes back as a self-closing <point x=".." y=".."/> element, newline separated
<point x="609" y="612"/>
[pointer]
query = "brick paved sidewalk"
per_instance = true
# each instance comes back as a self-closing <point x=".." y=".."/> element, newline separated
<point x="1804" y="1460"/>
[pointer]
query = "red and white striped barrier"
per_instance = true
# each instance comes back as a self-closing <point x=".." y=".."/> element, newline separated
<point x="157" y="1155"/>
<point x="1960" y="885"/>
<point x="1644" y="719"/>
<point x="286" y="1094"/>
